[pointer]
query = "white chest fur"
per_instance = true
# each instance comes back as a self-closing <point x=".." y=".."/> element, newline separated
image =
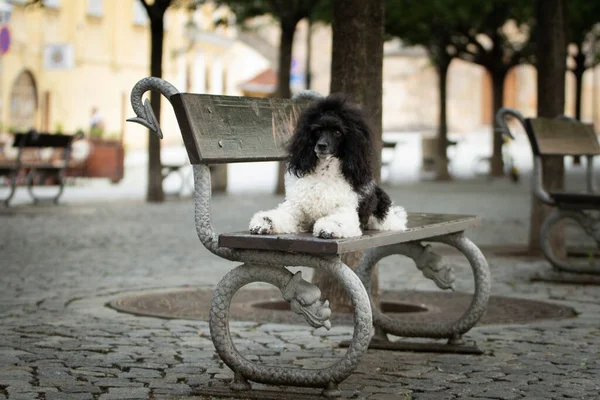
<point x="322" y="192"/>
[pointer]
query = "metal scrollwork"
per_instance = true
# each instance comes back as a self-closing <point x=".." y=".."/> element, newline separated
<point x="590" y="224"/>
<point x="433" y="267"/>
<point x="304" y="299"/>
<point x="144" y="113"/>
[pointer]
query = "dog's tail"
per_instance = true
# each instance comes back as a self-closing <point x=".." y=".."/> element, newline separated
<point x="307" y="95"/>
<point x="387" y="216"/>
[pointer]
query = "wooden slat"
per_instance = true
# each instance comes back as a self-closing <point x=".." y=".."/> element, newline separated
<point x="223" y="129"/>
<point x="560" y="137"/>
<point x="420" y="226"/>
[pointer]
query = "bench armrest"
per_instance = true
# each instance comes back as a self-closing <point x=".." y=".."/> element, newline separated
<point x="204" y="227"/>
<point x="504" y="130"/>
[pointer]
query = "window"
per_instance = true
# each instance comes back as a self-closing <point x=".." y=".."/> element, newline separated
<point x="140" y="16"/>
<point x="94" y="8"/>
<point x="52" y="3"/>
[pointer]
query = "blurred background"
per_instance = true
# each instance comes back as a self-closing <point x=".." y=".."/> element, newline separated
<point x="69" y="65"/>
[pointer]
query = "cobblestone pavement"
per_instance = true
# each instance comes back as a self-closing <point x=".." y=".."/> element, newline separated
<point x="60" y="265"/>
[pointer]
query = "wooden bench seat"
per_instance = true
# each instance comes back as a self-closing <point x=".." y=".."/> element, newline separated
<point x="420" y="226"/>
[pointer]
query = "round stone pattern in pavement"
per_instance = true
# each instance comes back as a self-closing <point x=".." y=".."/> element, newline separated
<point x="267" y="306"/>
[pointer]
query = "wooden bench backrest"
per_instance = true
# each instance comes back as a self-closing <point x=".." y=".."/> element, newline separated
<point x="561" y="137"/>
<point x="226" y="129"/>
<point x="34" y="139"/>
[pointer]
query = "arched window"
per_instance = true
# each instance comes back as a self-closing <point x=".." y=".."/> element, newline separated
<point x="23" y="102"/>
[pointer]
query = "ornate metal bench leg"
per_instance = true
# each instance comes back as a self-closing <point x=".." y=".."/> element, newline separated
<point x="589" y="223"/>
<point x="331" y="391"/>
<point x="304" y="299"/>
<point x="13" y="188"/>
<point x="434" y="267"/>
<point x="31" y="183"/>
<point x="240" y="383"/>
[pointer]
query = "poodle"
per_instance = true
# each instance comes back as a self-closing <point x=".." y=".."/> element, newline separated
<point x="334" y="194"/>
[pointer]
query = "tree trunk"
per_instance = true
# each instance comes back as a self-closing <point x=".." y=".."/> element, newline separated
<point x="551" y="54"/>
<point x="357" y="71"/>
<point x="578" y="91"/>
<point x="154" y="191"/>
<point x="441" y="165"/>
<point x="357" y="61"/>
<point x="308" y="75"/>
<point x="496" y="162"/>
<point x="288" y="29"/>
<point x="578" y="72"/>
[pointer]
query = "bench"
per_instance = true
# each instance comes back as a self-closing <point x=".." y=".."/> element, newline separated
<point x="37" y="166"/>
<point x="171" y="169"/>
<point x="226" y="129"/>
<point x="562" y="137"/>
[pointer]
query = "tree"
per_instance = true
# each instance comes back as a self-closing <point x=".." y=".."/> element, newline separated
<point x="551" y="55"/>
<point x="474" y="31"/>
<point x="584" y="16"/>
<point x="429" y="24"/>
<point x="481" y="37"/>
<point x="288" y="13"/>
<point x="156" y="13"/>
<point x="357" y="71"/>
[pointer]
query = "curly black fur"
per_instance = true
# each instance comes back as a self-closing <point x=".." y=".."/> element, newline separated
<point x="355" y="150"/>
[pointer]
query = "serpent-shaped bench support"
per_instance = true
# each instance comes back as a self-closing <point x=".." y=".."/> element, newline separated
<point x="304" y="299"/>
<point x="434" y="268"/>
<point x="590" y="224"/>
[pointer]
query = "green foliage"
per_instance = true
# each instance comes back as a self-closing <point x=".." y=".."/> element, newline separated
<point x="583" y="27"/>
<point x="582" y="15"/>
<point x="245" y="10"/>
<point x="96" y="132"/>
<point x="286" y="11"/>
<point x="473" y="30"/>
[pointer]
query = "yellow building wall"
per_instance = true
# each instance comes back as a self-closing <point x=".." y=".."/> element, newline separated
<point x="111" y="53"/>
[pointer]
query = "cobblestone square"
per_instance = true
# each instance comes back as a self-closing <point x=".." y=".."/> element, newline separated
<point x="61" y="265"/>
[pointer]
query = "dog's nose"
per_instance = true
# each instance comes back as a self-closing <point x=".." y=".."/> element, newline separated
<point x="321" y="146"/>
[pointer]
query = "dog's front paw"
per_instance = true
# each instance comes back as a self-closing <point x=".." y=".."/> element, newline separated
<point x="261" y="225"/>
<point x="325" y="229"/>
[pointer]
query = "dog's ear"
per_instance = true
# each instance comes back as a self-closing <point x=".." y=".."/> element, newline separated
<point x="357" y="149"/>
<point x="302" y="158"/>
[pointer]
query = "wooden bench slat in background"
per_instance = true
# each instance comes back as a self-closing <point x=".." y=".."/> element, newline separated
<point x="561" y="137"/>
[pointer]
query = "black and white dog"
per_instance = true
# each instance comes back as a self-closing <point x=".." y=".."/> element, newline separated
<point x="334" y="195"/>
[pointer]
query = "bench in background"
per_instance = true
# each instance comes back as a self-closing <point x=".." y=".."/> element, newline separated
<point x="563" y="137"/>
<point x="37" y="166"/>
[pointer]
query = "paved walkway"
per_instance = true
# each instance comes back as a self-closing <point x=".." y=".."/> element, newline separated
<point x="60" y="265"/>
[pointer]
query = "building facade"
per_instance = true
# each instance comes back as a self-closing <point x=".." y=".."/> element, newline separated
<point x="71" y="56"/>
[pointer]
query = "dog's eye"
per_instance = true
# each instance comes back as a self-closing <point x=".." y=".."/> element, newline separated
<point x="337" y="133"/>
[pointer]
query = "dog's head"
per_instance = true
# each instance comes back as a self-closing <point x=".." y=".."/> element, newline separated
<point x="332" y="127"/>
